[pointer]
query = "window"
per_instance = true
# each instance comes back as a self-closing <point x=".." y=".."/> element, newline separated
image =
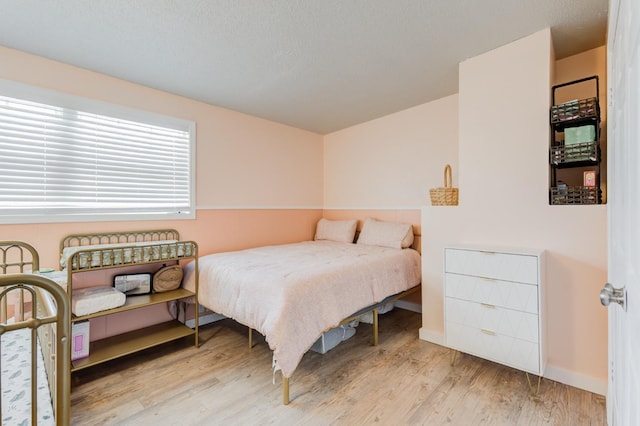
<point x="64" y="158"/>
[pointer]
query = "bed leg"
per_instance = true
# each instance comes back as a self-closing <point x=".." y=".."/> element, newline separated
<point x="375" y="327"/>
<point x="285" y="390"/>
<point x="250" y="338"/>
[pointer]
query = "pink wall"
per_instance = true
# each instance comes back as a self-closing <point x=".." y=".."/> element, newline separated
<point x="495" y="134"/>
<point x="384" y="168"/>
<point x="391" y="162"/>
<point x="213" y="230"/>
<point x="503" y="160"/>
<point x="258" y="182"/>
<point x="242" y="161"/>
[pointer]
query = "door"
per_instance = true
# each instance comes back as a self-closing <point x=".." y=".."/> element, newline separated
<point x="624" y="210"/>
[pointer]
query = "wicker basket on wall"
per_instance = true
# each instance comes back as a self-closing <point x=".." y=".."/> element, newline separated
<point x="446" y="196"/>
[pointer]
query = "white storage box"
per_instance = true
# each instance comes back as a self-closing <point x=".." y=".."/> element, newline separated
<point x="368" y="317"/>
<point x="79" y="340"/>
<point x="332" y="338"/>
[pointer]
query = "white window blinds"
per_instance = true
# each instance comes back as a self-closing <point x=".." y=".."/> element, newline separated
<point x="57" y="161"/>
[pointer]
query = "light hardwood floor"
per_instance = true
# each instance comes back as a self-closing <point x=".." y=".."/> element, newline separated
<point x="402" y="381"/>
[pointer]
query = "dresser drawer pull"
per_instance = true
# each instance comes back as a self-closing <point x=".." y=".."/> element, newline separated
<point x="486" y="305"/>
<point x="489" y="332"/>
<point x="488" y="252"/>
<point x="487" y="279"/>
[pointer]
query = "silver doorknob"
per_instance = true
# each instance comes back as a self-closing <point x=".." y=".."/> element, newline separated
<point x="611" y="294"/>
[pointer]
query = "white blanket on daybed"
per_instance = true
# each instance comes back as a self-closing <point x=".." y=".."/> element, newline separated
<point x="293" y="293"/>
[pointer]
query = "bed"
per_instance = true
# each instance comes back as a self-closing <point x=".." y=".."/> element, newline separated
<point x="34" y="341"/>
<point x="293" y="293"/>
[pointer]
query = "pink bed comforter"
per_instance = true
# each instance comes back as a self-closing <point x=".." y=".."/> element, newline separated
<point x="293" y="293"/>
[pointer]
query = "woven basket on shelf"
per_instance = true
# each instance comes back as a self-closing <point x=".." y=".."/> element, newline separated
<point x="446" y="196"/>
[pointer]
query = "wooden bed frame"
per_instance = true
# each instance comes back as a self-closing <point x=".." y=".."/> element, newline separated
<point x="45" y="324"/>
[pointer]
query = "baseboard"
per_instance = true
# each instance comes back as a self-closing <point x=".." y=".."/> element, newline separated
<point x="409" y="306"/>
<point x="432" y="337"/>
<point x="576" y="380"/>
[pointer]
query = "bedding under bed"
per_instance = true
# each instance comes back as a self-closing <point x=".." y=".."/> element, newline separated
<point x="293" y="293"/>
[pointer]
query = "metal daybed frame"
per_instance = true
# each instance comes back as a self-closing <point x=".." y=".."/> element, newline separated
<point x="44" y="323"/>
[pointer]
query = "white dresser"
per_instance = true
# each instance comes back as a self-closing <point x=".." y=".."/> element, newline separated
<point x="494" y="305"/>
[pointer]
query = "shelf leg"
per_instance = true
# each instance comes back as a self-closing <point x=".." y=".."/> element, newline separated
<point x="197" y="322"/>
<point x="375" y="327"/>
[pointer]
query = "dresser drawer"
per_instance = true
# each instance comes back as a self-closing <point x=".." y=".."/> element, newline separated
<point x="520" y="354"/>
<point x="505" y="294"/>
<point x="501" y="266"/>
<point x="505" y="322"/>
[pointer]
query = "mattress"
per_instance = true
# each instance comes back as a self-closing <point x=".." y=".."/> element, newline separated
<point x="295" y="292"/>
<point x="15" y="374"/>
<point x="88" y="300"/>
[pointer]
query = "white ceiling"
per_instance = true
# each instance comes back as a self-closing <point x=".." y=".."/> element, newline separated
<point x="320" y="65"/>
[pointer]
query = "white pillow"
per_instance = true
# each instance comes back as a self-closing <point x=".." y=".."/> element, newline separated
<point x="386" y="234"/>
<point x="336" y="230"/>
